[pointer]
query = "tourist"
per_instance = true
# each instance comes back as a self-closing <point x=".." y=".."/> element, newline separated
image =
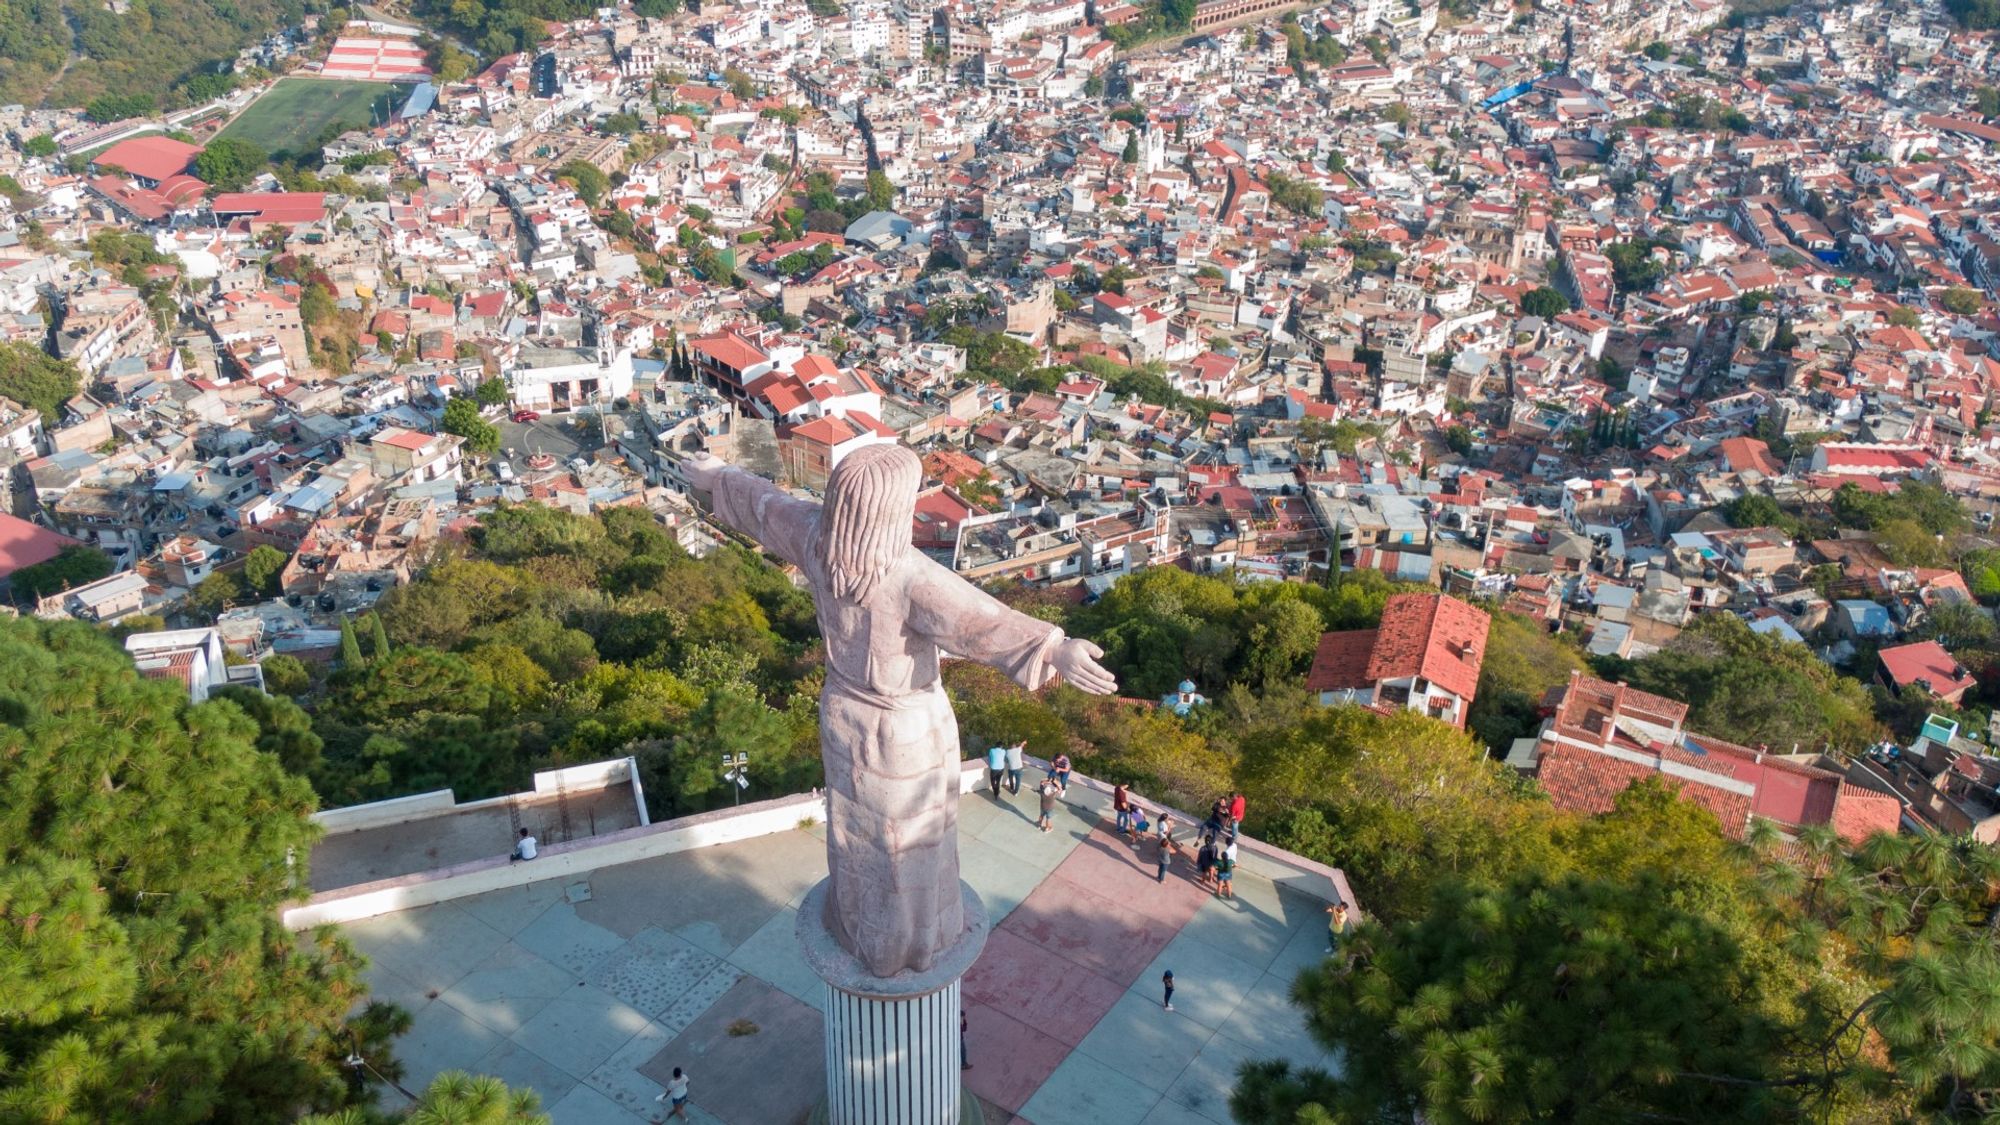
<point x="1121" y="803"/>
<point x="996" y="765"/>
<point x="1225" y="871"/>
<point x="1204" y="860"/>
<point x="1048" y="803"/>
<point x="1166" y="847"/>
<point x="1060" y="769"/>
<point x="677" y="1093"/>
<point x="964" y="1060"/>
<point x="1167" y="983"/>
<point x="1236" y="807"/>
<point x="1139" y="825"/>
<point x="1218" y="816"/>
<point x="1336" y="925"/>
<point x="524" y="848"/>
<point x="1014" y="766"/>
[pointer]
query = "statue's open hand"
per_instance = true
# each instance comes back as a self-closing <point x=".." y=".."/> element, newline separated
<point x="702" y="469"/>
<point x="1076" y="659"/>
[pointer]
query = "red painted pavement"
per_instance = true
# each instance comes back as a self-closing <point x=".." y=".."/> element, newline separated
<point x="1058" y="962"/>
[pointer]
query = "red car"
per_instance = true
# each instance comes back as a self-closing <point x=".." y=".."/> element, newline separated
<point x="526" y="416"/>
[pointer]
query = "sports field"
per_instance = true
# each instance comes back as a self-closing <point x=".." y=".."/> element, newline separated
<point x="295" y="113"/>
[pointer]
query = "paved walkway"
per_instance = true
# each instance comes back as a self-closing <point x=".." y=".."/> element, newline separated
<point x="589" y="991"/>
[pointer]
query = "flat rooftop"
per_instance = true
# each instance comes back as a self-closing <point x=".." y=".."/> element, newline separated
<point x="481" y="830"/>
<point x="589" y="989"/>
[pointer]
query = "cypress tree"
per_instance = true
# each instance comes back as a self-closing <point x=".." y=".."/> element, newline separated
<point x="378" y="637"/>
<point x="350" y="646"/>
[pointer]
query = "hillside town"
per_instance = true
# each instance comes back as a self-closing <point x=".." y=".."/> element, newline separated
<point x="1614" y="316"/>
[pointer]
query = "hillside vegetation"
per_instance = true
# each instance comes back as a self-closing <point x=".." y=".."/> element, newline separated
<point x="148" y="49"/>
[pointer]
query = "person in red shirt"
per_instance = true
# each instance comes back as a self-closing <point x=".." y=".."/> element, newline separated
<point x="1235" y="813"/>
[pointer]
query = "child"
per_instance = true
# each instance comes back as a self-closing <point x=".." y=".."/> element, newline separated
<point x="1225" y="869"/>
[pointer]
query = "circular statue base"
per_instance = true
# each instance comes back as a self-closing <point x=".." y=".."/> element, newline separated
<point x="892" y="1043"/>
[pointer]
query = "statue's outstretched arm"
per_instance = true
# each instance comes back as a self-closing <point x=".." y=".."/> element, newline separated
<point x="966" y="621"/>
<point x="754" y="506"/>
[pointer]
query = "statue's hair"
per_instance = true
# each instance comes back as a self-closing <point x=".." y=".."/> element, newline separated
<point x="871" y="498"/>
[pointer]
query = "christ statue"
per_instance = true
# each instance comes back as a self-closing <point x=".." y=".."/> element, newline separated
<point x="887" y="734"/>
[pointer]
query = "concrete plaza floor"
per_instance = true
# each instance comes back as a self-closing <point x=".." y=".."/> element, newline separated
<point x="590" y="990"/>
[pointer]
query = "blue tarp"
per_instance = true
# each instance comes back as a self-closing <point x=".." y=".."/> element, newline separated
<point x="1502" y="97"/>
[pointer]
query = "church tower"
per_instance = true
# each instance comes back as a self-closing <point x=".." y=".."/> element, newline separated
<point x="1152" y="149"/>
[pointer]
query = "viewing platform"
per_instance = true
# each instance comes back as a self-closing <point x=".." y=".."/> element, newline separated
<point x="590" y="972"/>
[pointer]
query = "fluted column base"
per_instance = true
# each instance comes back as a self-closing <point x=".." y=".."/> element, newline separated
<point x="892" y="1043"/>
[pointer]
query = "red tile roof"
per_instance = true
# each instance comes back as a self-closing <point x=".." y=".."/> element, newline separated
<point x="1588" y="782"/>
<point x="729" y="350"/>
<point x="1341" y="661"/>
<point x="1435" y="636"/>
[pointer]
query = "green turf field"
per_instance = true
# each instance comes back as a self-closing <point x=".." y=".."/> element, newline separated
<point x="298" y="111"/>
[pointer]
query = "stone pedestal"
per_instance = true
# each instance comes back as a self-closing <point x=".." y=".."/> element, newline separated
<point x="892" y="1046"/>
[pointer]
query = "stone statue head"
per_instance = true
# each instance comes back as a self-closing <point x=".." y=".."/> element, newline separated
<point x="871" y="499"/>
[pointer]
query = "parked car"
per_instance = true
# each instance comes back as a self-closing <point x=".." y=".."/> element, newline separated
<point x="526" y="416"/>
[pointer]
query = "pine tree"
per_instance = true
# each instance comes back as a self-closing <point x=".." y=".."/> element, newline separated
<point x="378" y="639"/>
<point x="350" y="647"/>
<point x="1131" y="153"/>
<point x="146" y="846"/>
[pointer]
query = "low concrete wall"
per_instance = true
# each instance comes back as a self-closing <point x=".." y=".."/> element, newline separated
<point x="376" y="814"/>
<point x="420" y="806"/>
<point x="758" y="818"/>
<point x="577" y="857"/>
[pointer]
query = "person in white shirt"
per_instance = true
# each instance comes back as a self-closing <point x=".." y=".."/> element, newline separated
<point x="523" y="848"/>
<point x="677" y="1093"/>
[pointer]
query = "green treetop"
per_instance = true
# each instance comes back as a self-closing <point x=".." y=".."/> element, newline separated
<point x="147" y="845"/>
